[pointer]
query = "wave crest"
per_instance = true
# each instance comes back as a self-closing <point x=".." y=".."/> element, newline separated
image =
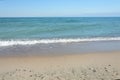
<point x="48" y="41"/>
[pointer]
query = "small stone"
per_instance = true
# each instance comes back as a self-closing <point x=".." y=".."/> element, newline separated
<point x="117" y="74"/>
<point x="102" y="79"/>
<point x="109" y="65"/>
<point x="24" y="70"/>
<point x="30" y="75"/>
<point x="94" y="70"/>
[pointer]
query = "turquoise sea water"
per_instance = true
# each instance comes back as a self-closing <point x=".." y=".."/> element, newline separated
<point x="35" y="30"/>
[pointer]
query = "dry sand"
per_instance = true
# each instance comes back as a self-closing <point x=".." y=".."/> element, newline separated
<point x="97" y="66"/>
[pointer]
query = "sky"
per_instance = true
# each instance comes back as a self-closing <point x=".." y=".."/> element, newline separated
<point x="59" y="8"/>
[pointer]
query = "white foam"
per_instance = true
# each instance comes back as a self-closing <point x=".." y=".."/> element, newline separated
<point x="48" y="41"/>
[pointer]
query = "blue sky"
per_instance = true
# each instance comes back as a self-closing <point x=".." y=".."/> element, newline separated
<point x="57" y="8"/>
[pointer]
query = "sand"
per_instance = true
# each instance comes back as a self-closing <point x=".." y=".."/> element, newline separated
<point x="92" y="66"/>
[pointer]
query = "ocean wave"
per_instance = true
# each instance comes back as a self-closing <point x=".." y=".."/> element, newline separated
<point x="48" y="41"/>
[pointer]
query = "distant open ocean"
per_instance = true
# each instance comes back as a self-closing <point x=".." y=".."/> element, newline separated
<point x="30" y="31"/>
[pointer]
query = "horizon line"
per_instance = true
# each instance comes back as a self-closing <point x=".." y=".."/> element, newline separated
<point x="51" y="16"/>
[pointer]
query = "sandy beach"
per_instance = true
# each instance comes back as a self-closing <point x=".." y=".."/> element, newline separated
<point x="59" y="39"/>
<point x="90" y="66"/>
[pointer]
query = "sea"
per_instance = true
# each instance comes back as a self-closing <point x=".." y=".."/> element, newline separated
<point x="27" y="31"/>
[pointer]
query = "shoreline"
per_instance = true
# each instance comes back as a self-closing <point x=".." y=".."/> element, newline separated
<point x="61" y="49"/>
